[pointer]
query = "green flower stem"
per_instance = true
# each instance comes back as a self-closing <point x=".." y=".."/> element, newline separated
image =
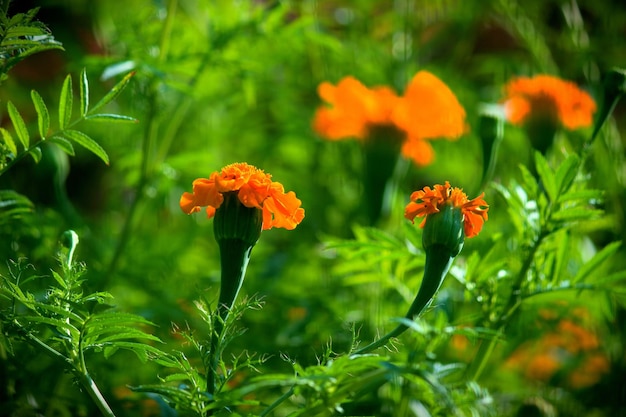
<point x="95" y="394"/>
<point x="234" y="255"/>
<point x="85" y="379"/>
<point x="438" y="262"/>
<point x="491" y="132"/>
<point x="381" y="151"/>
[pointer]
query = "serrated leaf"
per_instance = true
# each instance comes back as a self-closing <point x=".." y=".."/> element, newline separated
<point x="115" y="91"/>
<point x="65" y="145"/>
<point x="84" y="93"/>
<point x="57" y="323"/>
<point x="59" y="279"/>
<point x="35" y="153"/>
<point x="8" y="141"/>
<point x="572" y="214"/>
<point x="584" y="195"/>
<point x="11" y="198"/>
<point x="611" y="278"/>
<point x="546" y="176"/>
<point x="593" y="264"/>
<point x="141" y="350"/>
<point x="19" y="31"/>
<point x="529" y="182"/>
<point x="43" y="117"/>
<point x="566" y="173"/>
<point x="86" y="142"/>
<point x="65" y="103"/>
<point x="108" y="117"/>
<point x="18" y="125"/>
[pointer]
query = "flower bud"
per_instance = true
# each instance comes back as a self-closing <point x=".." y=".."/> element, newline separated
<point x="444" y="228"/>
<point x="233" y="220"/>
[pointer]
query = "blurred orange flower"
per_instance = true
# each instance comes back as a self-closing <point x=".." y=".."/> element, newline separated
<point x="254" y="189"/>
<point x="428" y="201"/>
<point x="427" y="110"/>
<point x="570" y="348"/>
<point x="548" y="97"/>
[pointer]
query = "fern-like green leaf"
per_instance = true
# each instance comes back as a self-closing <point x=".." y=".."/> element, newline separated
<point x="143" y="351"/>
<point x="43" y="117"/>
<point x="18" y="125"/>
<point x="65" y="103"/>
<point x="86" y="142"/>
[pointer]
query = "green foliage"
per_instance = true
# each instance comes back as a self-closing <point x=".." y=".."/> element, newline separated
<point x="65" y="324"/>
<point x="20" y="37"/>
<point x="64" y="136"/>
<point x="219" y="82"/>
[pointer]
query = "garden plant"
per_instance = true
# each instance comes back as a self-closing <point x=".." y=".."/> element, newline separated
<point x="312" y="208"/>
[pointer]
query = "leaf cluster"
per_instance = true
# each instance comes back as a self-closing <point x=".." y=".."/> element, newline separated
<point x="21" y="36"/>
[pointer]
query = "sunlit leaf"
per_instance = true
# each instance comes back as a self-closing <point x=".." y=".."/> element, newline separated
<point x="566" y="173"/>
<point x="8" y="141"/>
<point x="582" y="195"/>
<point x="65" y="103"/>
<point x="546" y="175"/>
<point x="43" y="117"/>
<point x="64" y="144"/>
<point x="107" y="117"/>
<point x="594" y="263"/>
<point x="572" y="214"/>
<point x="84" y="93"/>
<point x="143" y="351"/>
<point x="18" y="125"/>
<point x="36" y="154"/>
<point x="115" y="91"/>
<point x="85" y="141"/>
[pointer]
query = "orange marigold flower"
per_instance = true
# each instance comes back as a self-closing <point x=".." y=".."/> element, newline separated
<point x="545" y="96"/>
<point x="428" y="201"/>
<point x="427" y="110"/>
<point x="254" y="189"/>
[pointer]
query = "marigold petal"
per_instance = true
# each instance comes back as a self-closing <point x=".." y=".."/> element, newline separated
<point x="284" y="208"/>
<point x="352" y="109"/>
<point x="546" y="96"/>
<point x="204" y="194"/>
<point x="188" y="203"/>
<point x="255" y="191"/>
<point x="418" y="150"/>
<point x="429" y="109"/>
<point x="254" y="187"/>
<point x="429" y="200"/>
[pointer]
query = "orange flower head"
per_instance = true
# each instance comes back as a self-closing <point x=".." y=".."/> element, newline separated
<point x="547" y="97"/>
<point x="429" y="201"/>
<point x="254" y="188"/>
<point x="427" y="110"/>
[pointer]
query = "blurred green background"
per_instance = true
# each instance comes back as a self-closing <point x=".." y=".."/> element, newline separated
<point x="226" y="81"/>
